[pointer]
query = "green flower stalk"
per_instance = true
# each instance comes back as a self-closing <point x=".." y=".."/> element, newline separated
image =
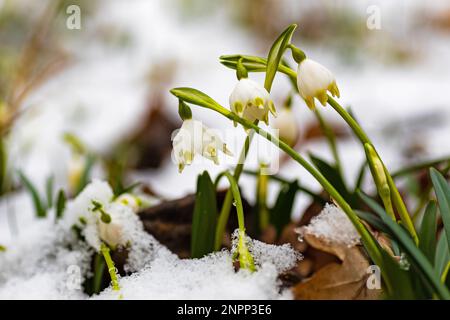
<point x="111" y="267"/>
<point x="242" y="253"/>
<point x="194" y="96"/>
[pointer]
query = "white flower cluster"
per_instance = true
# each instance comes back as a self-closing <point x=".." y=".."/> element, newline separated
<point x="101" y="218"/>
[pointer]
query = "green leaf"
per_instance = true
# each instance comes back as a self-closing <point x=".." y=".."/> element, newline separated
<point x="276" y="54"/>
<point x="374" y="221"/>
<point x="60" y="203"/>
<point x="332" y="174"/>
<point x="280" y="214"/>
<point x="442" y="190"/>
<point x="407" y="243"/>
<point x="360" y="176"/>
<point x="86" y="176"/>
<point x="204" y="220"/>
<point x="400" y="281"/>
<point x="442" y="256"/>
<point x="49" y="190"/>
<point x="257" y="64"/>
<point x="428" y="231"/>
<point x="39" y="208"/>
<point x="196" y="97"/>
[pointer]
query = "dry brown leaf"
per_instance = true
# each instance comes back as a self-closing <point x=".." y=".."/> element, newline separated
<point x="345" y="280"/>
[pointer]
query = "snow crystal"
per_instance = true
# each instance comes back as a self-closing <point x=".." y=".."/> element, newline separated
<point x="333" y="225"/>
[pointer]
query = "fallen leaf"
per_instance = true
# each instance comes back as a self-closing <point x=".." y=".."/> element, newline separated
<point x="344" y="280"/>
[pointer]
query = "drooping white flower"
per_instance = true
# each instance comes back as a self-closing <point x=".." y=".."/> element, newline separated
<point x="251" y="101"/>
<point x="313" y="81"/>
<point x="195" y="138"/>
<point x="287" y="126"/>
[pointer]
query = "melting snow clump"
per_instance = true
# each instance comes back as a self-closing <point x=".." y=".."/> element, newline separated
<point x="332" y="225"/>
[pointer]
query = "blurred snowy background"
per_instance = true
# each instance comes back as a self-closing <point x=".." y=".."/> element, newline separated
<point x="128" y="54"/>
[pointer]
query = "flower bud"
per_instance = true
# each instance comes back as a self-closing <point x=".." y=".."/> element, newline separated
<point x="251" y="101"/>
<point x="313" y="81"/>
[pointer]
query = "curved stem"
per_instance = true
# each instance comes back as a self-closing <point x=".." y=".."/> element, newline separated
<point x="226" y="206"/>
<point x="234" y="191"/>
<point x="396" y="197"/>
<point x="366" y="237"/>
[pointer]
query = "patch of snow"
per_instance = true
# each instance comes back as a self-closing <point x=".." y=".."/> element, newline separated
<point x="332" y="225"/>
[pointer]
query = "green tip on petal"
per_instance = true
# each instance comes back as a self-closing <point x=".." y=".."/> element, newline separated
<point x="272" y="109"/>
<point x="226" y="150"/>
<point x="238" y="108"/>
<point x="323" y="97"/>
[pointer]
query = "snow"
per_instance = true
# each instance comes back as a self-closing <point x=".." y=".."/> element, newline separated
<point x="211" y="277"/>
<point x="332" y="225"/>
<point x="48" y="261"/>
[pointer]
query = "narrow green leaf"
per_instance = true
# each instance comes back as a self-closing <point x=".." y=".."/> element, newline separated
<point x="407" y="243"/>
<point x="60" y="203"/>
<point x="442" y="190"/>
<point x="374" y="221"/>
<point x="39" y="208"/>
<point x="196" y="97"/>
<point x="49" y="190"/>
<point x="99" y="270"/>
<point x="400" y="281"/>
<point x="280" y="214"/>
<point x="204" y="219"/>
<point x="428" y="231"/>
<point x="334" y="176"/>
<point x="276" y="54"/>
<point x="257" y="64"/>
<point x="442" y="256"/>
<point x="361" y="175"/>
<point x="86" y="176"/>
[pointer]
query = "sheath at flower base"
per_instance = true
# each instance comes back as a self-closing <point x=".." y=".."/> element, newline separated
<point x="313" y="81"/>
<point x="195" y="138"/>
<point x="251" y="101"/>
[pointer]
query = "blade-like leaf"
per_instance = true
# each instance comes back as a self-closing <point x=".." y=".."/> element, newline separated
<point x="428" y="230"/>
<point x="49" y="191"/>
<point x="280" y="214"/>
<point x="86" y="175"/>
<point x="334" y="176"/>
<point x="442" y="257"/>
<point x="374" y="221"/>
<point x="60" y="203"/>
<point x="407" y="243"/>
<point x="276" y="54"/>
<point x="196" y="97"/>
<point x="204" y="219"/>
<point x="442" y="190"/>
<point x="37" y="202"/>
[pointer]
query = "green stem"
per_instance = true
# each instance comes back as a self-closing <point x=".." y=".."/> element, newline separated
<point x="245" y="258"/>
<point x="274" y="177"/>
<point x="234" y="191"/>
<point x="367" y="240"/>
<point x="396" y="197"/>
<point x="111" y="267"/>
<point x="226" y="206"/>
